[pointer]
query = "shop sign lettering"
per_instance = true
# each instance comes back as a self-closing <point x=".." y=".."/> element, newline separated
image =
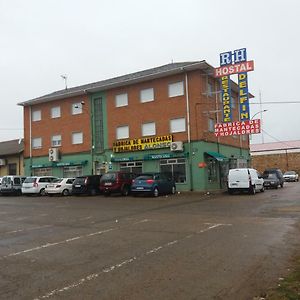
<point x="141" y="144"/>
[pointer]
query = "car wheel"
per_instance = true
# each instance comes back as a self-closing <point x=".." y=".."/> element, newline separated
<point x="65" y="192"/>
<point x="173" y="190"/>
<point x="281" y="185"/>
<point x="155" y="192"/>
<point x="106" y="194"/>
<point x="125" y="190"/>
<point x="42" y="192"/>
<point x="263" y="189"/>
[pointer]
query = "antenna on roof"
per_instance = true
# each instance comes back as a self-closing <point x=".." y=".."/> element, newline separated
<point x="65" y="78"/>
<point x="172" y="62"/>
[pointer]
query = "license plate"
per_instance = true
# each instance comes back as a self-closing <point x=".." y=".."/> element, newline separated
<point x="77" y="185"/>
<point x="139" y="188"/>
<point x="107" y="183"/>
<point x="234" y="184"/>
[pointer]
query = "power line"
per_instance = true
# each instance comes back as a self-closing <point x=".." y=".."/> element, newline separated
<point x="276" y="139"/>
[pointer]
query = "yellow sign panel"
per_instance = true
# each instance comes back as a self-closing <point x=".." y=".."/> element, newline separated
<point x="141" y="144"/>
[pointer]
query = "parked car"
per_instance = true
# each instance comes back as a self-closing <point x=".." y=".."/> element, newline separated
<point x="271" y="180"/>
<point x="60" y="186"/>
<point x="291" y="176"/>
<point x="12" y="184"/>
<point x="116" y="182"/>
<point x="153" y="183"/>
<point x="35" y="185"/>
<point x="277" y="172"/>
<point x="244" y="179"/>
<point x="88" y="184"/>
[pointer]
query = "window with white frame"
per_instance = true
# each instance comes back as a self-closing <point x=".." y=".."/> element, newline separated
<point x="37" y="143"/>
<point x="211" y="125"/>
<point x="148" y="129"/>
<point x="209" y="89"/>
<point x="77" y="138"/>
<point x="76" y="108"/>
<point x="122" y="132"/>
<point x="233" y="102"/>
<point x="135" y="167"/>
<point x="36" y="115"/>
<point x="147" y="95"/>
<point x="176" y="89"/>
<point x="74" y="171"/>
<point x="177" y="125"/>
<point x="56" y="140"/>
<point x="176" y="167"/>
<point x="42" y="172"/>
<point x="121" y="100"/>
<point x="55" y="112"/>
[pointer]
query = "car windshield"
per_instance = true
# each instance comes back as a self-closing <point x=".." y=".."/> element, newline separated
<point x="290" y="173"/>
<point x="79" y="180"/>
<point x="108" y="176"/>
<point x="270" y="176"/>
<point x="145" y="177"/>
<point x="57" y="180"/>
<point x="30" y="180"/>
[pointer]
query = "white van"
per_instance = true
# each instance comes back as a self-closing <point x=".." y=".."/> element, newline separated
<point x="245" y="179"/>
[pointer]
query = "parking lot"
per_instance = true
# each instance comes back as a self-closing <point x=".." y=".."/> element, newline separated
<point x="184" y="246"/>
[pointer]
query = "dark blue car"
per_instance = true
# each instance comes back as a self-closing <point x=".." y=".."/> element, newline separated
<point x="154" y="184"/>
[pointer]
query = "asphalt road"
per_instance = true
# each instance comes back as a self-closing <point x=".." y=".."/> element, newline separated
<point x="186" y="246"/>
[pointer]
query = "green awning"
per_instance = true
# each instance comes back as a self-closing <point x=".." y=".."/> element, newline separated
<point x="216" y="155"/>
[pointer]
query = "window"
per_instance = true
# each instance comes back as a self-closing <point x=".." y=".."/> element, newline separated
<point x="177" y="125"/>
<point x="77" y="138"/>
<point x="76" y="108"/>
<point x="148" y="129"/>
<point x="209" y="89"/>
<point x="244" y="137"/>
<point x="211" y="125"/>
<point x="176" y="167"/>
<point x="72" y="171"/>
<point x="233" y="102"/>
<point x="36" y="115"/>
<point x="42" y="172"/>
<point x="121" y="100"/>
<point x="56" y="140"/>
<point x="122" y="132"/>
<point x="12" y="169"/>
<point x="147" y="95"/>
<point x="36" y="143"/>
<point x="135" y="167"/>
<point x="55" y="112"/>
<point x="176" y="89"/>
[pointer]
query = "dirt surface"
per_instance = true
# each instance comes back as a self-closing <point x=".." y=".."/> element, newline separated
<point x="186" y="246"/>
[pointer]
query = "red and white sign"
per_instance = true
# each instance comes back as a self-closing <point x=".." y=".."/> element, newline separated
<point x="226" y="70"/>
<point x="237" y="128"/>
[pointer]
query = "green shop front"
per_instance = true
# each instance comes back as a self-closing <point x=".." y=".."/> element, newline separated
<point x="195" y="166"/>
<point x="66" y="166"/>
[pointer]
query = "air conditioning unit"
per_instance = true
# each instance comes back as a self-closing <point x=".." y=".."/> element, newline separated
<point x="2" y="162"/>
<point x="176" y="146"/>
<point x="53" y="154"/>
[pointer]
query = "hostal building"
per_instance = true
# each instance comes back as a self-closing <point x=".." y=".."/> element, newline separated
<point x="160" y="119"/>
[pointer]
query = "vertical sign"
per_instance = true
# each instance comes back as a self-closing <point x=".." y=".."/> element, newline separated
<point x="240" y="55"/>
<point x="226" y="59"/>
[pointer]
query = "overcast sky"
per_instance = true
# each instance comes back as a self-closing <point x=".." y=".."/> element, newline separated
<point x="91" y="40"/>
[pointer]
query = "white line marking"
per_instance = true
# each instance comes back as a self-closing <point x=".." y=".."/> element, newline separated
<point x="47" y="245"/>
<point x="27" y="229"/>
<point x="122" y="264"/>
<point x="58" y="243"/>
<point x="86" y="218"/>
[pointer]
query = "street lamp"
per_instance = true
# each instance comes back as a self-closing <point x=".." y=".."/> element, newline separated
<point x="259" y="112"/>
<point x="262" y="134"/>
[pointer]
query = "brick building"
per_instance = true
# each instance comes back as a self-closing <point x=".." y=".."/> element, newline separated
<point x="282" y="155"/>
<point x="160" y="119"/>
